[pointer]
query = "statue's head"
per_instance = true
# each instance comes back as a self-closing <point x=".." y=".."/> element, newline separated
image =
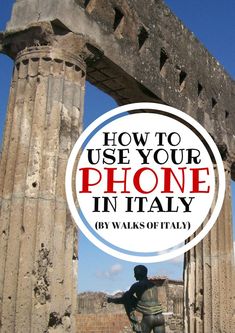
<point x="140" y="272"/>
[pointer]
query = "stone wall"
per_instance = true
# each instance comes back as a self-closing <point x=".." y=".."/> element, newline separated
<point x="118" y="323"/>
<point x="103" y="323"/>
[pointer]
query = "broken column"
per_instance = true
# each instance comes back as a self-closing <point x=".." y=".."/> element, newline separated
<point x="208" y="276"/>
<point x="38" y="240"/>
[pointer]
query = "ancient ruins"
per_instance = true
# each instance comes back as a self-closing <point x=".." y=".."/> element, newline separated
<point x="134" y="53"/>
<point x="95" y="314"/>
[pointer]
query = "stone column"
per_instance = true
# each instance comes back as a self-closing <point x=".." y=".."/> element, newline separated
<point x="38" y="240"/>
<point x="209" y="276"/>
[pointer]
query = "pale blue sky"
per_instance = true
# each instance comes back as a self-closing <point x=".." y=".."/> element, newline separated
<point x="213" y="22"/>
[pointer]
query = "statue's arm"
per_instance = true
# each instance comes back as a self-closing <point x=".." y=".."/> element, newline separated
<point x="116" y="300"/>
<point x="125" y="297"/>
<point x="129" y="300"/>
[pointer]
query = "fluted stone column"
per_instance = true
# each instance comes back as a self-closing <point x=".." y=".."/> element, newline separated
<point x="38" y="240"/>
<point x="209" y="276"/>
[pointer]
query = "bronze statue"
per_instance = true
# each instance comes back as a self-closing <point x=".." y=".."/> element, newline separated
<point x="142" y="297"/>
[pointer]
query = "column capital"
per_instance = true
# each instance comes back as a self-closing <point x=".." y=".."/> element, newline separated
<point x="228" y="158"/>
<point x="233" y="171"/>
<point x="49" y="54"/>
<point x="229" y="168"/>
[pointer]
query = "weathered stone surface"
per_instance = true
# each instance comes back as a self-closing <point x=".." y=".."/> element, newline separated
<point x="135" y="53"/>
<point x="38" y="239"/>
<point x="144" y="53"/>
<point x="209" y="276"/>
